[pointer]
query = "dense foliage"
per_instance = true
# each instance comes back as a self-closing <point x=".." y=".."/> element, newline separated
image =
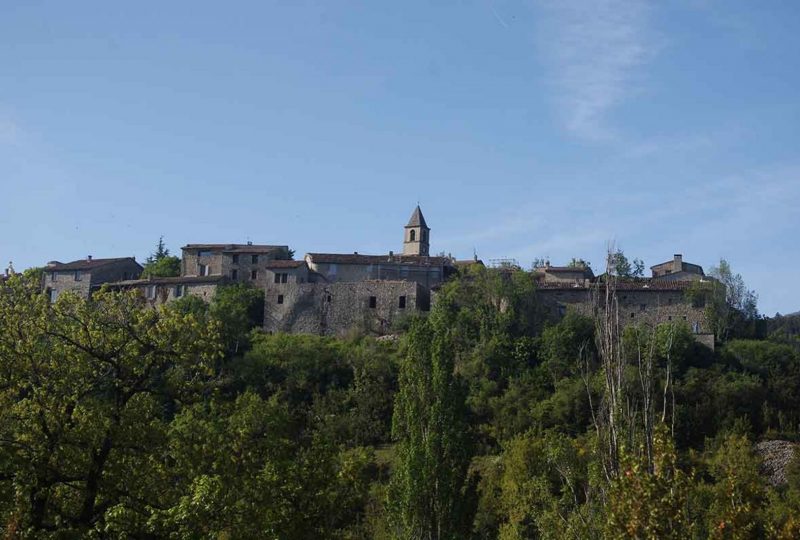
<point x="485" y="420"/>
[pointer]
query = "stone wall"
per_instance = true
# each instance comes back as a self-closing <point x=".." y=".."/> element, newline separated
<point x="650" y="306"/>
<point x="337" y="308"/>
<point x="427" y="276"/>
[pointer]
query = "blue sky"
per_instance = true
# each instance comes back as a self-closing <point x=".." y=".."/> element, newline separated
<point x="524" y="128"/>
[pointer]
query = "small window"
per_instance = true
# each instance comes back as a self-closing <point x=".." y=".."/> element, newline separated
<point x="642" y="307"/>
<point x="373" y="301"/>
<point x="633" y="315"/>
<point x="204" y="253"/>
<point x="412" y="235"/>
<point x="280" y="299"/>
<point x="253" y="274"/>
<point x="329" y="298"/>
<point x="669" y="318"/>
<point x="234" y="275"/>
<point x="684" y="317"/>
<point x="77" y="275"/>
<point x="669" y="301"/>
<point x="151" y="291"/>
<point x="53" y="294"/>
<point x="277" y="278"/>
<point x="53" y="276"/>
<point x="402" y="303"/>
<point x="178" y="291"/>
<point x="284" y="278"/>
<point x="235" y="259"/>
<point x="255" y="259"/>
<point x="202" y="270"/>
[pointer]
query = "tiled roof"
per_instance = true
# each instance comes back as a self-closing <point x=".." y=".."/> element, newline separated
<point x="556" y="269"/>
<point x="237" y="248"/>
<point x="284" y="264"/>
<point x="417" y="219"/>
<point x="622" y="285"/>
<point x="355" y="258"/>
<point x="178" y="280"/>
<point x="85" y="264"/>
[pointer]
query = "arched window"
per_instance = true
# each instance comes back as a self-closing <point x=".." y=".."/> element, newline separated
<point x="412" y="236"/>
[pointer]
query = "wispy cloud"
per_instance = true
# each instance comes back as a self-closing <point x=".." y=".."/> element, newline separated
<point x="593" y="49"/>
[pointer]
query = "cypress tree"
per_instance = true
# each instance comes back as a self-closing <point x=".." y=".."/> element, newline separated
<point x="431" y="496"/>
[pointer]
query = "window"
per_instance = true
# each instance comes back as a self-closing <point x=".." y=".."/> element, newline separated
<point x="642" y="307"/>
<point x="412" y="236"/>
<point x="373" y="301"/>
<point x="204" y="253"/>
<point x="53" y="276"/>
<point x="253" y="274"/>
<point x="77" y="275"/>
<point x="669" y="318"/>
<point x="280" y="299"/>
<point x="277" y="278"/>
<point x="329" y="298"/>
<point x="633" y="315"/>
<point x="284" y="278"/>
<point x="402" y="303"/>
<point x="178" y="291"/>
<point x="234" y="275"/>
<point x="53" y="294"/>
<point x="254" y="259"/>
<point x="202" y="270"/>
<point x="151" y="291"/>
<point x="235" y="259"/>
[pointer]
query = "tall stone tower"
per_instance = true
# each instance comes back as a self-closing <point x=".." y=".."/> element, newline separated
<point x="417" y="235"/>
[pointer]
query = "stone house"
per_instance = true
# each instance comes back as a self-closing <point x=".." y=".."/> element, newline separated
<point x="677" y="270"/>
<point x="160" y="290"/>
<point x="84" y="276"/>
<point x="237" y="262"/>
<point x="563" y="274"/>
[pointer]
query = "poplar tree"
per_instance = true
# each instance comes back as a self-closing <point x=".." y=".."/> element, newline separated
<point x="430" y="495"/>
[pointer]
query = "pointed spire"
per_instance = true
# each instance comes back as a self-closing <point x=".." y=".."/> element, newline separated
<point x="417" y="219"/>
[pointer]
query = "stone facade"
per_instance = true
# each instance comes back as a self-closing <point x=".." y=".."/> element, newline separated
<point x="84" y="276"/>
<point x="157" y="291"/>
<point x="237" y="262"/>
<point x="429" y="272"/>
<point x="647" y="302"/>
<point x="336" y="308"/>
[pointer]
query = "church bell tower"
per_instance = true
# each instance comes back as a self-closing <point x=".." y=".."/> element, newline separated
<point x="417" y="235"/>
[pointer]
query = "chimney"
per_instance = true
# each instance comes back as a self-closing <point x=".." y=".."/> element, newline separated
<point x="249" y="242"/>
<point x="677" y="263"/>
<point x="88" y="258"/>
<point x="391" y="255"/>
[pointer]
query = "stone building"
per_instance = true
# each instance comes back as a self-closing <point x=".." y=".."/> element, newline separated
<point x="372" y="306"/>
<point x="87" y="275"/>
<point x="677" y="270"/>
<point x="563" y="274"/>
<point x="238" y="262"/>
<point x="649" y="301"/>
<point x="160" y="290"/>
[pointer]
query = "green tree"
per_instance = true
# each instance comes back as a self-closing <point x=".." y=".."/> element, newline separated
<point x="84" y="386"/>
<point x="430" y="494"/>
<point x="160" y="263"/>
<point x="620" y="266"/>
<point x="239" y="307"/>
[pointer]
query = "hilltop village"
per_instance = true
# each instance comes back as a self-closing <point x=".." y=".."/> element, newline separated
<point x="333" y="293"/>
